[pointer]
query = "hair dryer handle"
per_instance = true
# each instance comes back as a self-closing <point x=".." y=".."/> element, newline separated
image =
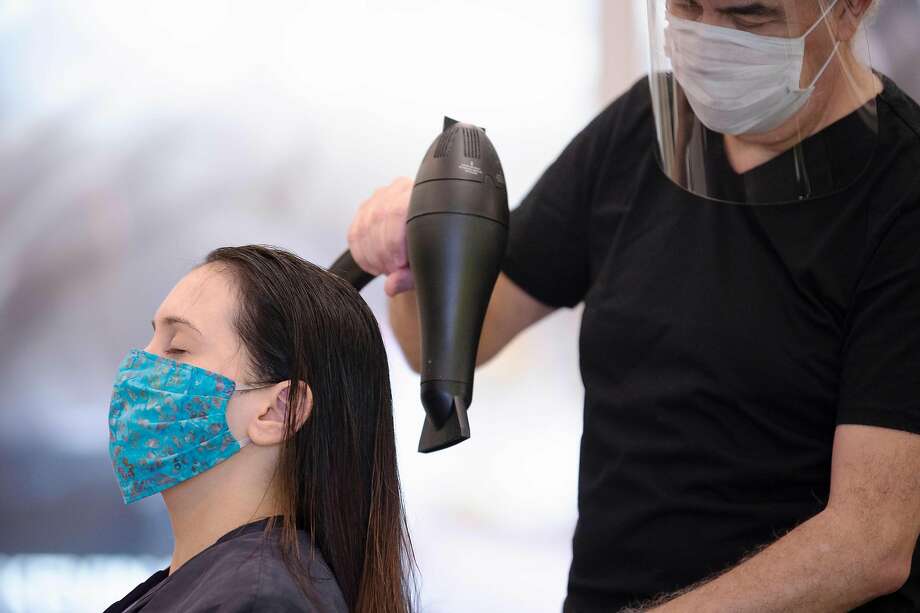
<point x="348" y="269"/>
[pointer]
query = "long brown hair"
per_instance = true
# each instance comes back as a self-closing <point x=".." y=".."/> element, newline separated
<point x="336" y="475"/>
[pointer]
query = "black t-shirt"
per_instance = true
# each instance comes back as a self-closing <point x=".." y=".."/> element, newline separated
<point x="720" y="346"/>
<point x="241" y="573"/>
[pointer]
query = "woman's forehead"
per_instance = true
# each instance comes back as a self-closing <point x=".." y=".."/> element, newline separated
<point x="204" y="299"/>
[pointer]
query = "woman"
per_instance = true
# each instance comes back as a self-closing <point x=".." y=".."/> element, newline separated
<point x="261" y="411"/>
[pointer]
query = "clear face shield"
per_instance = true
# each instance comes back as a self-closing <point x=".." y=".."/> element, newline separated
<point x="762" y="101"/>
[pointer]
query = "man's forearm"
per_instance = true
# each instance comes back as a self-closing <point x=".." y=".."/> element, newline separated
<point x="829" y="563"/>
<point x="405" y="324"/>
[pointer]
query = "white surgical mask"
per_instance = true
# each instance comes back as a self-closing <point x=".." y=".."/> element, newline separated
<point x="738" y="82"/>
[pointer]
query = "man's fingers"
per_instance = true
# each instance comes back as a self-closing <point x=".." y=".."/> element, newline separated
<point x="398" y="282"/>
<point x="377" y="236"/>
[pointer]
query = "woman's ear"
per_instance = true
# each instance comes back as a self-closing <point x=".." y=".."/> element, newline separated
<point x="269" y="427"/>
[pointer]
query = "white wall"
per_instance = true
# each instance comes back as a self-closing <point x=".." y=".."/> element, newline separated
<point x="135" y="137"/>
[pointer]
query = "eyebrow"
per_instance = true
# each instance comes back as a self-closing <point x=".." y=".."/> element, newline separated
<point x="752" y="9"/>
<point x="174" y="320"/>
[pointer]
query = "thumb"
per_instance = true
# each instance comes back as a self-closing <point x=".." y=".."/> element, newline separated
<point x="398" y="281"/>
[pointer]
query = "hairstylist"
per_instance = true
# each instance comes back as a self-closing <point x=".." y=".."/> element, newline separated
<point x="743" y="228"/>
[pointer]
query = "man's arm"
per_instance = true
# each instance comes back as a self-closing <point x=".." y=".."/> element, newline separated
<point x="857" y="549"/>
<point x="510" y="311"/>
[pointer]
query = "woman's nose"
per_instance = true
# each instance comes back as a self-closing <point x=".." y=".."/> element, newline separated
<point x="154" y="346"/>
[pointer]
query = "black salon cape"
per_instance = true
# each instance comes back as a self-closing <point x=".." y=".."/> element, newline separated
<point x="241" y="573"/>
<point x="721" y="344"/>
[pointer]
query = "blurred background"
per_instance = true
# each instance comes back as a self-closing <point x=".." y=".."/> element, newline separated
<point x="135" y="137"/>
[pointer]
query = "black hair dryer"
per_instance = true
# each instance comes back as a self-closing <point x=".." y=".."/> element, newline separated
<point x="457" y="229"/>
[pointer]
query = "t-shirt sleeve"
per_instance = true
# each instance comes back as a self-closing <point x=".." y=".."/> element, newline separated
<point x="880" y="384"/>
<point x="548" y="251"/>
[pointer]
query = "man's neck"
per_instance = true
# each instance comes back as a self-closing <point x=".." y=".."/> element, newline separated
<point x="851" y="88"/>
<point x="212" y="504"/>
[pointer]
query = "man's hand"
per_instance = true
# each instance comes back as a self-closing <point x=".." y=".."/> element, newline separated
<point x="377" y="236"/>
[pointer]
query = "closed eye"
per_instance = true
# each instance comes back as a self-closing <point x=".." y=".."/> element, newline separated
<point x="753" y="15"/>
<point x="748" y="24"/>
<point x="175" y="351"/>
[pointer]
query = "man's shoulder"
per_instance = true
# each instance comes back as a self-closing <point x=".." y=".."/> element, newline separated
<point x="894" y="181"/>
<point x="898" y="152"/>
<point x="627" y="112"/>
<point x="637" y="99"/>
<point x="617" y="135"/>
<point x="900" y="116"/>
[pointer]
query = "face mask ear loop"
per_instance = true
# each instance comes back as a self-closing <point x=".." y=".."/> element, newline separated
<point x="249" y="388"/>
<point x="826" y="64"/>
<point x="833" y="53"/>
<point x="823" y="16"/>
<point x="246" y="440"/>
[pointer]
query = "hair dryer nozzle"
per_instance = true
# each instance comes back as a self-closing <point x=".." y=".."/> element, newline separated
<point x="455" y="429"/>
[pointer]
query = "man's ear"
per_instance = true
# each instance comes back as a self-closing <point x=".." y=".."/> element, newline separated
<point x="850" y="16"/>
<point x="270" y="424"/>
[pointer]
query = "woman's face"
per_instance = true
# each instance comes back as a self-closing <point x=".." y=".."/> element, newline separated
<point x="195" y="325"/>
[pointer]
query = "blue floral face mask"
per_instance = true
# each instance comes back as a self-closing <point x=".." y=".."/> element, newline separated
<point x="167" y="423"/>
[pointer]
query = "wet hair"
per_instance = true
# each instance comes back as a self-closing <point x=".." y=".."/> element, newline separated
<point x="336" y="475"/>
